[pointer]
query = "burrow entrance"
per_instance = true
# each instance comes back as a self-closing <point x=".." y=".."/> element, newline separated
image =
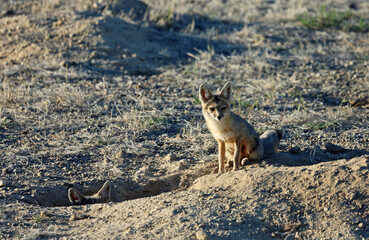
<point x="120" y="190"/>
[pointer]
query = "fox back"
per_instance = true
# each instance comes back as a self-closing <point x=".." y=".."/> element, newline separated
<point x="102" y="196"/>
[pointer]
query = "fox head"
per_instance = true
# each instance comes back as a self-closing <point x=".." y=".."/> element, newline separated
<point x="102" y="196"/>
<point x="216" y="106"/>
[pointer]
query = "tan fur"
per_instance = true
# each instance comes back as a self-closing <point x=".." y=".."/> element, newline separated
<point x="237" y="139"/>
<point x="102" y="196"/>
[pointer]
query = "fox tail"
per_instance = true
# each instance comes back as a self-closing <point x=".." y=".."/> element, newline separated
<point x="270" y="140"/>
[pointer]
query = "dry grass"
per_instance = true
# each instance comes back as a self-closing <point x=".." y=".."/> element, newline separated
<point x="81" y="102"/>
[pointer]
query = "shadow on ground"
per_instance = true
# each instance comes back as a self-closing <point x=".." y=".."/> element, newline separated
<point x="311" y="157"/>
<point x="143" y="47"/>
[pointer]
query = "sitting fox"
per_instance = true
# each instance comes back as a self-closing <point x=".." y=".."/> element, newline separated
<point x="237" y="139"/>
<point x="102" y="196"/>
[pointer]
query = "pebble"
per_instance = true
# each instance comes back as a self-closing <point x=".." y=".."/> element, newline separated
<point x="97" y="5"/>
<point x="170" y="157"/>
<point x="201" y="235"/>
<point x="239" y="221"/>
<point x="2" y="183"/>
<point x="361" y="225"/>
<point x="73" y="217"/>
<point x="182" y="164"/>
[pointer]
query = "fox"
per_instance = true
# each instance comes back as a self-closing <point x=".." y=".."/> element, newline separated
<point x="237" y="139"/>
<point x="102" y="196"/>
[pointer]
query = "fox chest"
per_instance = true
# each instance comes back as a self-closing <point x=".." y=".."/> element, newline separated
<point x="221" y="131"/>
<point x="225" y="136"/>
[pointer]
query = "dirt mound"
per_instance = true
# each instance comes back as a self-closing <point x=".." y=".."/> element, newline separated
<point x="328" y="200"/>
<point x="330" y="195"/>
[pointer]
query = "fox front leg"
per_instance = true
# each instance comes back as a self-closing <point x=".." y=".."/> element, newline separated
<point x="221" y="149"/>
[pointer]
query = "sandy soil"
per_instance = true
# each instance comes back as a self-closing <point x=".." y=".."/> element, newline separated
<point x="107" y="90"/>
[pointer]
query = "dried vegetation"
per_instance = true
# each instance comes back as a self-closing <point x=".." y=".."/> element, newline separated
<point x="97" y="90"/>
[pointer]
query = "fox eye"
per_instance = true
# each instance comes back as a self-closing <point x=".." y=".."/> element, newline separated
<point x="223" y="108"/>
<point x="212" y="109"/>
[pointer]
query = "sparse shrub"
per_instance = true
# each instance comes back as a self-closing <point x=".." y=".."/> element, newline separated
<point x="39" y="219"/>
<point x="7" y="123"/>
<point x="346" y="21"/>
<point x="196" y="100"/>
<point x="319" y="125"/>
<point x="241" y="105"/>
<point x="150" y="122"/>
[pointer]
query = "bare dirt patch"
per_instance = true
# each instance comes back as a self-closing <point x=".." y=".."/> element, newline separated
<point x="107" y="90"/>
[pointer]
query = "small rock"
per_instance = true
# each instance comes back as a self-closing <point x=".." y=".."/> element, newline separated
<point x="305" y="149"/>
<point x="239" y="221"/>
<point x="107" y="12"/>
<point x="98" y="5"/>
<point x="73" y="217"/>
<point x="170" y="157"/>
<point x="2" y="183"/>
<point x="58" y="23"/>
<point x="94" y="54"/>
<point x="201" y="235"/>
<point x="361" y="225"/>
<point x="183" y="164"/>
<point x="44" y="214"/>
<point x="332" y="148"/>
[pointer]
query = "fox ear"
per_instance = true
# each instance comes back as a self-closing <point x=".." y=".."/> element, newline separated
<point x="226" y="91"/>
<point x="205" y="93"/>
<point x="75" y="197"/>
<point x="105" y="191"/>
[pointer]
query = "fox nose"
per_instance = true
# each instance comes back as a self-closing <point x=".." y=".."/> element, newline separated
<point x="219" y="117"/>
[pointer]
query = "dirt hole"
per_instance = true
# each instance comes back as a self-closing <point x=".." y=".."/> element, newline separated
<point x="120" y="190"/>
